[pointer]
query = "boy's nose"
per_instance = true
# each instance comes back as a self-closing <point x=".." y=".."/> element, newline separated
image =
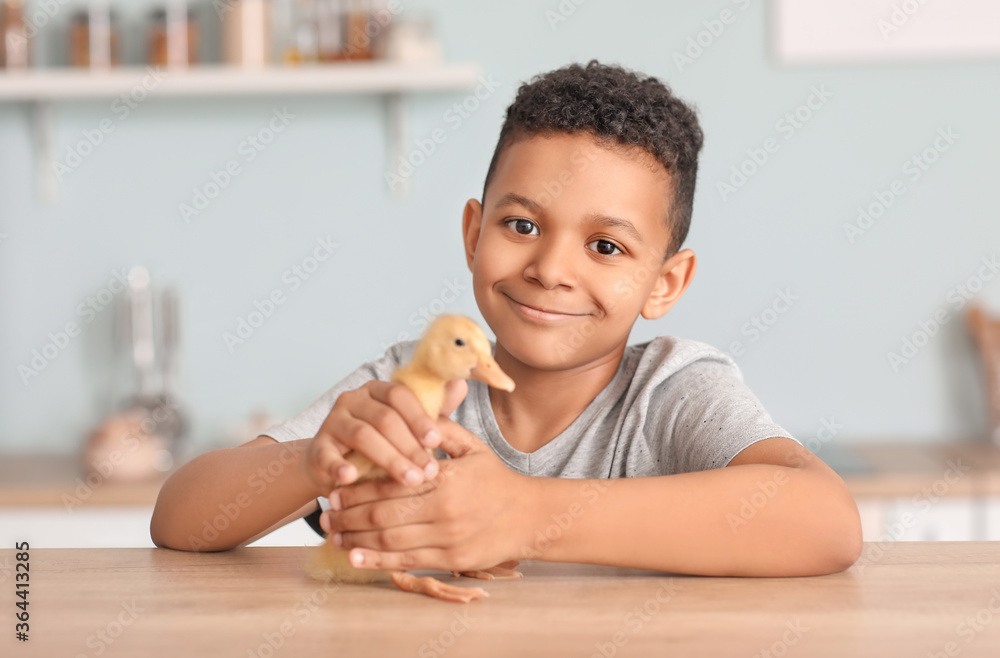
<point x="552" y="265"/>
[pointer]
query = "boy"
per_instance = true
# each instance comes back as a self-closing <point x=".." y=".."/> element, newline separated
<point x="652" y="456"/>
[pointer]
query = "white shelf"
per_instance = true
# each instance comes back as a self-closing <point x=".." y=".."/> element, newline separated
<point x="395" y="81"/>
<point x="109" y="526"/>
<point x="373" y="77"/>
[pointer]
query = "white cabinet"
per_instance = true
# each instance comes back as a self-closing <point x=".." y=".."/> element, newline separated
<point x="954" y="518"/>
<point x="124" y="526"/>
<point x="993" y="520"/>
<point x="951" y="518"/>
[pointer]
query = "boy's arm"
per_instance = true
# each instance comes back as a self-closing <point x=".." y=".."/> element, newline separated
<point x="232" y="496"/>
<point x="775" y="510"/>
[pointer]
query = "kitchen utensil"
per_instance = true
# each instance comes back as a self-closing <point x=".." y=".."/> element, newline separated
<point x="129" y="444"/>
<point x="173" y="425"/>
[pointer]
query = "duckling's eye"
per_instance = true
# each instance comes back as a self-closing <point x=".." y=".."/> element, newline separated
<point x="521" y="224"/>
<point x="460" y="342"/>
<point x="609" y="243"/>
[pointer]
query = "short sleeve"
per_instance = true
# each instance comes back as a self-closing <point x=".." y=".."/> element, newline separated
<point x="708" y="416"/>
<point x="306" y="423"/>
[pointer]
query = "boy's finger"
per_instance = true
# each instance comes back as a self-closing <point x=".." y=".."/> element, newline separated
<point x="390" y="424"/>
<point x="377" y="489"/>
<point x="421" y="558"/>
<point x="456" y="439"/>
<point x="332" y="464"/>
<point x="353" y="430"/>
<point x="376" y="446"/>
<point x="406" y="404"/>
<point x="402" y="538"/>
<point x="455" y="392"/>
<point x="379" y="515"/>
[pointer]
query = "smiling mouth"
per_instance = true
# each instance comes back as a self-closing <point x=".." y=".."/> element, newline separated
<point x="538" y="314"/>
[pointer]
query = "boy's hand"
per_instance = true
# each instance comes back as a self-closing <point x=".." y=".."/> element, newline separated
<point x="472" y="516"/>
<point x="383" y="421"/>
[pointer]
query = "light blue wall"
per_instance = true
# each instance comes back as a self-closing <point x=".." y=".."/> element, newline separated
<point x="824" y="358"/>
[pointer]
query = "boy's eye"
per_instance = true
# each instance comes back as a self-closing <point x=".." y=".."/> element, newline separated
<point x="521" y="223"/>
<point x="608" y="244"/>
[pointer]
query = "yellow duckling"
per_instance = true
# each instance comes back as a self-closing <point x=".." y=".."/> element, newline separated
<point x="453" y="347"/>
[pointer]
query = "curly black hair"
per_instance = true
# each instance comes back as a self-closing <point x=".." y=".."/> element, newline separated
<point x="619" y="108"/>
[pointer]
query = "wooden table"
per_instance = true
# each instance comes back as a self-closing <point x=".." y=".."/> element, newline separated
<point x="901" y="599"/>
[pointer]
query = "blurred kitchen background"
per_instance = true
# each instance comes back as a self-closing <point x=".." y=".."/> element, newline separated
<point x="214" y="212"/>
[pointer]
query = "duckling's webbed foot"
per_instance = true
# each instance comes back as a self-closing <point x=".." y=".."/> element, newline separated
<point x="502" y="570"/>
<point x="435" y="588"/>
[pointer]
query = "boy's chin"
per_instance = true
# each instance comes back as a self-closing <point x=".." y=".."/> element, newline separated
<point x="546" y="349"/>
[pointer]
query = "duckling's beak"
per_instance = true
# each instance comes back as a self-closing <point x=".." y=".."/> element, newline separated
<point x="488" y="372"/>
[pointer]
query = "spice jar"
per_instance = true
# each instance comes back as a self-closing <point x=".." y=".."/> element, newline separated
<point x="14" y="42"/>
<point x="246" y="33"/>
<point x="410" y="39"/>
<point x="296" y="31"/>
<point x="357" y="19"/>
<point x="343" y="27"/>
<point x="173" y="45"/>
<point x="93" y="37"/>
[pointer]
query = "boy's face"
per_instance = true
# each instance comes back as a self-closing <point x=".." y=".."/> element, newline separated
<point x="544" y="240"/>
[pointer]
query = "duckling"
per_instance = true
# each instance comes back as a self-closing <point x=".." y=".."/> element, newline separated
<point x="453" y="347"/>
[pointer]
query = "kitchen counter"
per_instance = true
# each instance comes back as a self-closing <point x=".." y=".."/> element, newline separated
<point x="870" y="470"/>
<point x="900" y="599"/>
<point x="57" y="480"/>
<point x="904" y="469"/>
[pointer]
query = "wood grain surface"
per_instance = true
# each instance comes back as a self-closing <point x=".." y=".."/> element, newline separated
<point x="900" y="599"/>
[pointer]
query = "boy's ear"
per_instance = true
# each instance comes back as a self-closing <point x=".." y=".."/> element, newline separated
<point x="673" y="279"/>
<point x="472" y="219"/>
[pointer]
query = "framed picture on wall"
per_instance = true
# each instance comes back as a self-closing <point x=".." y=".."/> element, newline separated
<point x="843" y="31"/>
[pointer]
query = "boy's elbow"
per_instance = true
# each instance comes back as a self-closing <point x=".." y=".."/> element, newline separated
<point x="851" y="542"/>
<point x="161" y="535"/>
<point x="168" y="529"/>
<point x="841" y="544"/>
<point x="164" y="539"/>
<point x="828" y="529"/>
<point x="165" y="534"/>
<point x="842" y="554"/>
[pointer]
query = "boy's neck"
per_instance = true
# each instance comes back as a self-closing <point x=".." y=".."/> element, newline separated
<point x="546" y="402"/>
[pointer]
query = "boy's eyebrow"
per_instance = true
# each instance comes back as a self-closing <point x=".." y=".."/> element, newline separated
<point x="623" y="224"/>
<point x="512" y="198"/>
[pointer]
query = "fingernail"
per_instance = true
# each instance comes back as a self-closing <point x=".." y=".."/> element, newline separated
<point x="324" y="522"/>
<point x="357" y="559"/>
<point x="431" y="469"/>
<point x="335" y="500"/>
<point x="338" y="539"/>
<point x="413" y="477"/>
<point x="343" y="472"/>
<point x="432" y="438"/>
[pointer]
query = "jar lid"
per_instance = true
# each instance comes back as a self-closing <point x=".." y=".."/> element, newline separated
<point x="83" y="15"/>
<point x="160" y="13"/>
